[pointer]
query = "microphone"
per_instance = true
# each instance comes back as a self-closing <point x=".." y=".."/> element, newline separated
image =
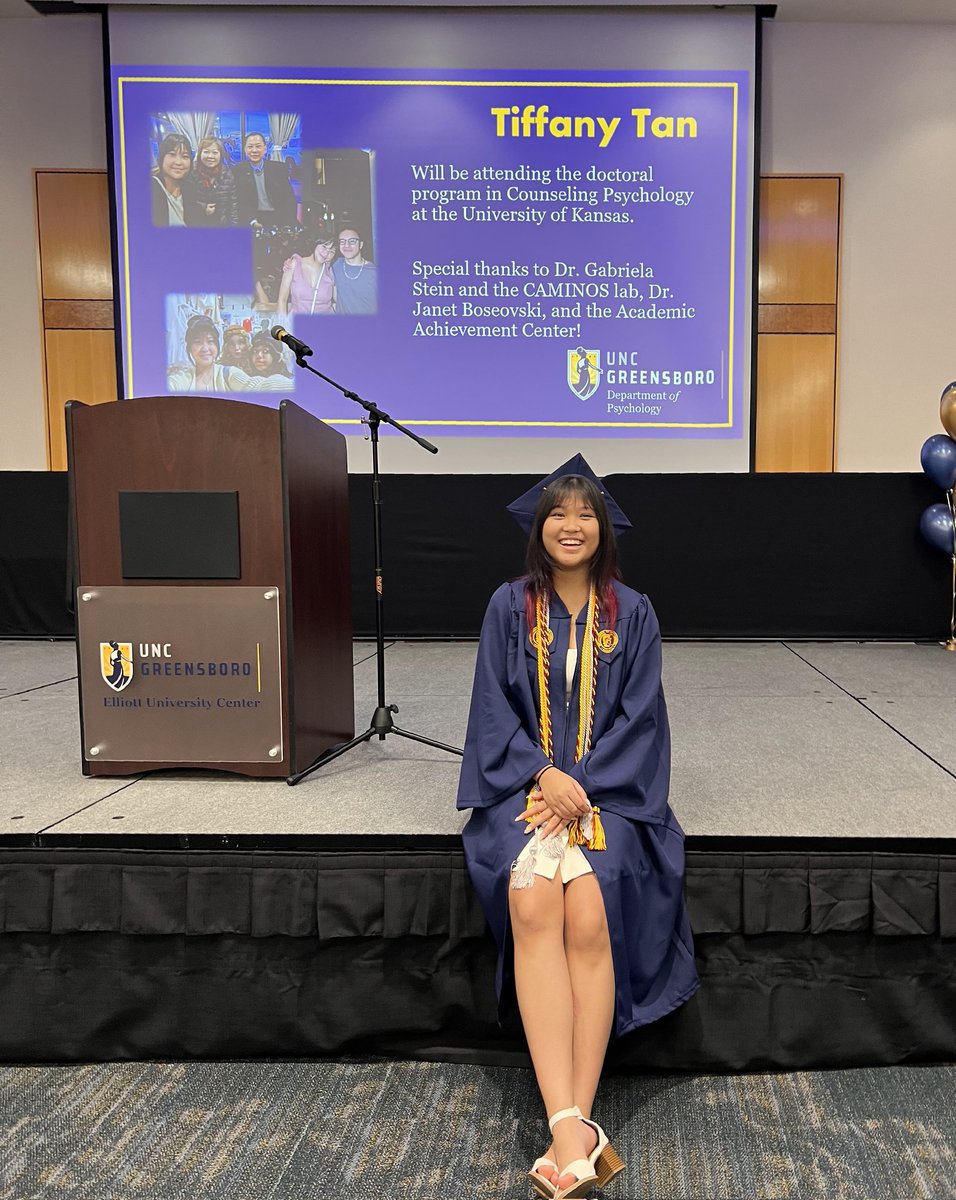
<point x="299" y="349"/>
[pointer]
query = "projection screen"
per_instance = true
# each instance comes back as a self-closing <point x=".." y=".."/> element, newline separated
<point x="520" y="231"/>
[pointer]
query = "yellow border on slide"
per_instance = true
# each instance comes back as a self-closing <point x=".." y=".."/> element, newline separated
<point x="122" y="80"/>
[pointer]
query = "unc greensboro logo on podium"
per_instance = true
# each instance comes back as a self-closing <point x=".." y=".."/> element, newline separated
<point x="584" y="372"/>
<point x="116" y="664"/>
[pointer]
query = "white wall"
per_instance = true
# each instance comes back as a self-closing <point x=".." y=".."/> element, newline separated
<point x="878" y="103"/>
<point x="51" y="88"/>
<point x="874" y="102"/>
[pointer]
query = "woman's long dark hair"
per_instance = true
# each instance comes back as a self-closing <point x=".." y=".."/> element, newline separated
<point x="603" y="566"/>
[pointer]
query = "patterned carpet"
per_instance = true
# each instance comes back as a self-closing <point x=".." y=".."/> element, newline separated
<point x="374" y="1130"/>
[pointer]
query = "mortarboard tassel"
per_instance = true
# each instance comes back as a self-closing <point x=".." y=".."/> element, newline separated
<point x="596" y="840"/>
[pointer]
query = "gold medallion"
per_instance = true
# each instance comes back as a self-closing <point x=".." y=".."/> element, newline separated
<point x="606" y="640"/>
<point x="533" y="637"/>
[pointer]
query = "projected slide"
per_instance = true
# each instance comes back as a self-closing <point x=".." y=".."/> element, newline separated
<point x="514" y="256"/>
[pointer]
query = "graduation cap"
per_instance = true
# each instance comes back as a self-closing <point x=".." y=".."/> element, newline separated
<point x="524" y="508"/>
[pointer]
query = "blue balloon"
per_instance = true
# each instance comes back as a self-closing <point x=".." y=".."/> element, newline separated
<point x="936" y="525"/>
<point x="938" y="457"/>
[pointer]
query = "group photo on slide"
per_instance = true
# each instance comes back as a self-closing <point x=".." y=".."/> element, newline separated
<point x="303" y="210"/>
<point x="478" y="602"/>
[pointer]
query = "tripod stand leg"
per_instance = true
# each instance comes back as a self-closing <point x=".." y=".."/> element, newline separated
<point x="331" y="755"/>
<point x="417" y="737"/>
<point x="382" y="724"/>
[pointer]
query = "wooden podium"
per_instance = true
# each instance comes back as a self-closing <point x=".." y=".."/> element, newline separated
<point x="211" y="552"/>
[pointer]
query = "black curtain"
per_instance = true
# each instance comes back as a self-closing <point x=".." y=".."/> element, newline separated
<point x="721" y="556"/>
<point x="806" y="960"/>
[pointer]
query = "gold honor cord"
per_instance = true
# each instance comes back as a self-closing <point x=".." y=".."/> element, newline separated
<point x="587" y="831"/>
<point x="541" y="639"/>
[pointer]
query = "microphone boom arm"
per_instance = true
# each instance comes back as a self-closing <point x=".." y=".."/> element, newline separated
<point x="375" y="415"/>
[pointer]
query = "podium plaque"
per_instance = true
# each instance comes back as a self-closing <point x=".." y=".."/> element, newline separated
<point x="180" y="674"/>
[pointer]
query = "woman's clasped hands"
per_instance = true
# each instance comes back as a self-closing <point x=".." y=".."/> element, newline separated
<point x="556" y="800"/>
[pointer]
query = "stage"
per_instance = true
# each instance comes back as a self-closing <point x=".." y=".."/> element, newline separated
<point x="193" y="913"/>
<point x="770" y="740"/>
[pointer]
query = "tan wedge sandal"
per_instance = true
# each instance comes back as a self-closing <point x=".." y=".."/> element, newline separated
<point x="603" y="1158"/>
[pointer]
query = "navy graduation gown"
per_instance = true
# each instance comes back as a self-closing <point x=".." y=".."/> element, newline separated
<point x="626" y="774"/>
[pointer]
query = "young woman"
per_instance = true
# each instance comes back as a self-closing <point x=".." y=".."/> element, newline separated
<point x="571" y="846"/>
<point x="170" y="186"/>
<point x="204" y="373"/>
<point x="308" y="285"/>
<point x="235" y="348"/>
<point x="265" y="358"/>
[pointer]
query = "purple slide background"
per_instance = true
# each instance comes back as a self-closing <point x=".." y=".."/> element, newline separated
<point x="508" y="385"/>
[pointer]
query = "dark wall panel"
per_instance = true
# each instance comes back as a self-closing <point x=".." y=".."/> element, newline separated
<point x="33" y="555"/>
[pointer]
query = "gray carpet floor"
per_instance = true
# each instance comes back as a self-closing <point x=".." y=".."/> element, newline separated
<point x="359" y="1130"/>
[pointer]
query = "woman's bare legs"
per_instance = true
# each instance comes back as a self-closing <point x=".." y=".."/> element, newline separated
<point x="543" y="985"/>
<point x="564" y="980"/>
<point x="591" y="969"/>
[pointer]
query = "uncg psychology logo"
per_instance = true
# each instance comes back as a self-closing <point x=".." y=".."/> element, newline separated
<point x="116" y="664"/>
<point x="584" y="372"/>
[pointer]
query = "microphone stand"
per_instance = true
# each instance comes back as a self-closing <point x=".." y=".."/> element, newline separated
<point x="382" y="723"/>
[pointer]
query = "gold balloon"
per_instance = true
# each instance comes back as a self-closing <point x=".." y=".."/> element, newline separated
<point x="947" y="410"/>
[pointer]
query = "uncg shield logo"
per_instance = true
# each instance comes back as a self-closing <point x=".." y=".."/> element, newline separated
<point x="116" y="664"/>
<point x="584" y="372"/>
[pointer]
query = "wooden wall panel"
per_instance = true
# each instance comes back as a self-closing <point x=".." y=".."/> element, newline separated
<point x="799" y="236"/>
<point x="77" y="314"/>
<point x="73" y="223"/>
<point x="797" y="318"/>
<point x="798" y="313"/>
<point x="80" y="365"/>
<point x="795" y="428"/>
<point x="76" y="286"/>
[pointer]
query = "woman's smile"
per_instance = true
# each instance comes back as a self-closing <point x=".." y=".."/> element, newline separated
<point x="571" y="534"/>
